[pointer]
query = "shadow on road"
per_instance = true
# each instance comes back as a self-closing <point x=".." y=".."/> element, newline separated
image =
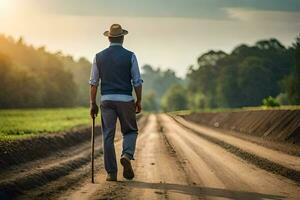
<point x="203" y="191"/>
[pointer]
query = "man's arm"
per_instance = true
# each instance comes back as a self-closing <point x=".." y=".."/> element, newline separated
<point x="93" y="94"/>
<point x="137" y="83"/>
<point x="94" y="82"/>
<point x="138" y="103"/>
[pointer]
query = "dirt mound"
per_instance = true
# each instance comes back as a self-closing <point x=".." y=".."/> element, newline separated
<point x="275" y="125"/>
<point x="20" y="151"/>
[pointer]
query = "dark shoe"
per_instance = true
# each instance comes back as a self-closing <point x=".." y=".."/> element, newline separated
<point x="127" y="168"/>
<point x="111" y="177"/>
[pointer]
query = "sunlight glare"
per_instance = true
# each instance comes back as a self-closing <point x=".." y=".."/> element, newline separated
<point x="4" y="6"/>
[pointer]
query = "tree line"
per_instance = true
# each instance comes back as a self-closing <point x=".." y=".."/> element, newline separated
<point x="33" y="77"/>
<point x="265" y="73"/>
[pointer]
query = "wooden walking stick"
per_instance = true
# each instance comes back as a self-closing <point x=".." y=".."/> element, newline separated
<point x="92" y="147"/>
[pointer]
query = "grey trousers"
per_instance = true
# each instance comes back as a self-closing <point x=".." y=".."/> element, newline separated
<point x="125" y="111"/>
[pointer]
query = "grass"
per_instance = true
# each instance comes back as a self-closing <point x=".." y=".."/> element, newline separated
<point x="21" y="123"/>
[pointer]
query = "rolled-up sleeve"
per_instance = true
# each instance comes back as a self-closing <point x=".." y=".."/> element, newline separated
<point x="135" y="72"/>
<point x="94" y="77"/>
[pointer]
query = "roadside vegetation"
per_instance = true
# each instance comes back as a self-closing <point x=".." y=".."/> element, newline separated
<point x="266" y="73"/>
<point x="15" y="123"/>
<point x="34" y="77"/>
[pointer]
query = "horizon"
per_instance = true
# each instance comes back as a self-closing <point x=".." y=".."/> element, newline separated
<point x="159" y="33"/>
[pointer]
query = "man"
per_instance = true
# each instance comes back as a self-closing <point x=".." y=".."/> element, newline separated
<point x="117" y="69"/>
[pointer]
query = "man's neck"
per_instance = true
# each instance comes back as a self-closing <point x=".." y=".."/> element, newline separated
<point x="115" y="44"/>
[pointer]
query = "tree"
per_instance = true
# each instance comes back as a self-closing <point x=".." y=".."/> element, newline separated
<point x="254" y="81"/>
<point x="292" y="82"/>
<point x="175" y="99"/>
<point x="35" y="77"/>
<point x="156" y="83"/>
<point x="242" y="78"/>
<point x="18" y="86"/>
<point x="60" y="90"/>
<point x="5" y="80"/>
<point x="211" y="58"/>
<point x="203" y="79"/>
<point x="228" y="90"/>
<point x="196" y="101"/>
<point x="149" y="102"/>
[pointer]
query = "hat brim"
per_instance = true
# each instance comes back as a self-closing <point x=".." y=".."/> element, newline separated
<point x="107" y="34"/>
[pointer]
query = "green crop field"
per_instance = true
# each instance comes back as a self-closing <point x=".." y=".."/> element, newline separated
<point x="21" y="123"/>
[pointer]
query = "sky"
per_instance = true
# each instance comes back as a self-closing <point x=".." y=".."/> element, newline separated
<point x="165" y="34"/>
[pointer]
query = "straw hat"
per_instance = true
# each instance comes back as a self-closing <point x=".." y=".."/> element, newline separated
<point x="115" y="31"/>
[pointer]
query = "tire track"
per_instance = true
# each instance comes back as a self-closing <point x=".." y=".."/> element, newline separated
<point x="156" y="167"/>
<point x="220" y="174"/>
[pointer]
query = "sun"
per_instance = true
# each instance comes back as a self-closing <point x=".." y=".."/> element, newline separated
<point x="4" y="6"/>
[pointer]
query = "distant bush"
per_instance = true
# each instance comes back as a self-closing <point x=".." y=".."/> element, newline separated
<point x="149" y="102"/>
<point x="270" y="102"/>
<point x="156" y="84"/>
<point x="175" y="99"/>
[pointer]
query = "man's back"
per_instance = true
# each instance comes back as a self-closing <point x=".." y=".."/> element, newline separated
<point x="114" y="65"/>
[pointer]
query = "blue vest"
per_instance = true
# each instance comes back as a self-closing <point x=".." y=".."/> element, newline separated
<point x="114" y="65"/>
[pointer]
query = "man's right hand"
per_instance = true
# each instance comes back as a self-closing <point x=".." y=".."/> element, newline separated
<point x="94" y="110"/>
<point x="138" y="107"/>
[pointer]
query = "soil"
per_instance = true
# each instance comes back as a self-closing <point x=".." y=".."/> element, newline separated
<point x="173" y="162"/>
<point x="16" y="152"/>
<point x="175" y="159"/>
<point x="272" y="125"/>
<point x="268" y="159"/>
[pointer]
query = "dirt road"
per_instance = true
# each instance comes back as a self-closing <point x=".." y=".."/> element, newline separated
<point x="175" y="159"/>
<point x="173" y="162"/>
